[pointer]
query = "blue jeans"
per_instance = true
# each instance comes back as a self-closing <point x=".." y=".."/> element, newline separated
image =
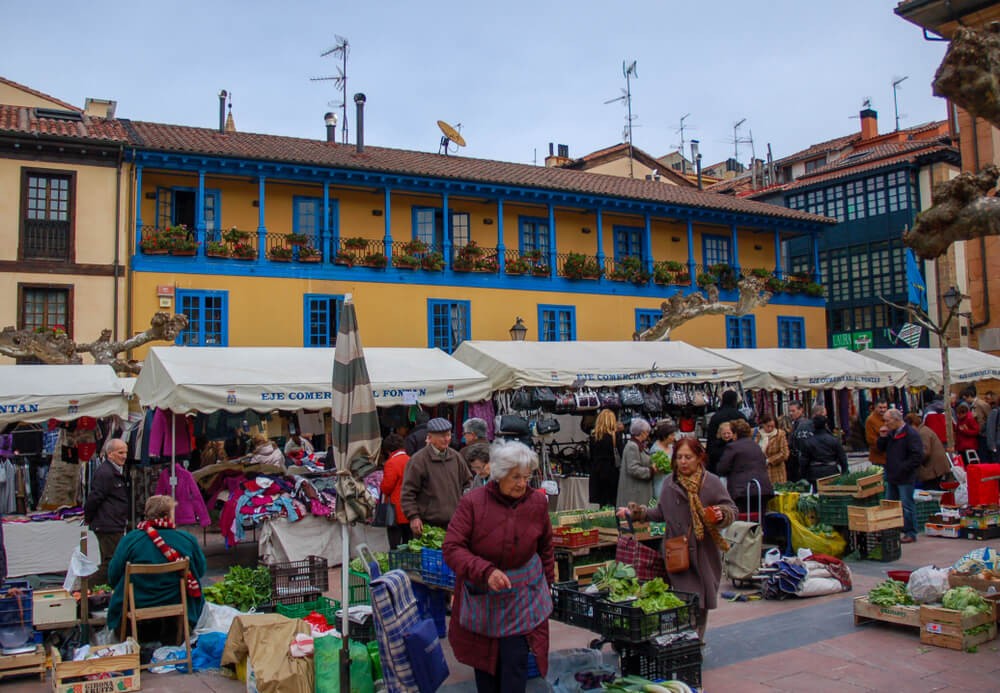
<point x="904" y="492"/>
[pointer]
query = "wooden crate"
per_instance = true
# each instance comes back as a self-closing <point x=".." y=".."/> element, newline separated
<point x="565" y="518"/>
<point x="584" y="574"/>
<point x="21" y="664"/>
<point x="946" y="627"/>
<point x="977" y="582"/>
<point x="641" y="532"/>
<point x="865" y="486"/>
<point x="886" y="515"/>
<point x="124" y="670"/>
<point x="865" y="611"/>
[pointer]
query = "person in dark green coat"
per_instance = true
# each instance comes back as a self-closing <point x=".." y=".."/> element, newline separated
<point x="156" y="541"/>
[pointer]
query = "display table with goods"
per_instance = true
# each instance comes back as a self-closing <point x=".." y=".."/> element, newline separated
<point x="57" y="531"/>
<point x="281" y="540"/>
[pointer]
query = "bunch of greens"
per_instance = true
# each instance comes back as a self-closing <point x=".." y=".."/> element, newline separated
<point x="852" y="478"/>
<point x="965" y="599"/>
<point x="655" y="596"/>
<point x="382" y="558"/>
<point x="661" y="462"/>
<point x="243" y="588"/>
<point x="890" y="593"/>
<point x="432" y="538"/>
<point x="801" y="486"/>
<point x="822" y="529"/>
<point x="637" y="684"/>
<point x="618" y="579"/>
<point x="808" y="505"/>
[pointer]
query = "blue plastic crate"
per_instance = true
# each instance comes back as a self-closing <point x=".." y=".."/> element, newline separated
<point x="16" y="611"/>
<point x="434" y="570"/>
<point x="432" y="604"/>
<point x="533" y="672"/>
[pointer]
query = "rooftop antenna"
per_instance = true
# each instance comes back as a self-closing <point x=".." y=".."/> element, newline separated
<point x="341" y="48"/>
<point x="450" y="134"/>
<point x="680" y="147"/>
<point x="629" y="71"/>
<point x="737" y="140"/>
<point x="895" y="100"/>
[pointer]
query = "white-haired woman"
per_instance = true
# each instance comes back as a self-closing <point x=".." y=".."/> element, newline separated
<point x="635" y="478"/>
<point x="499" y="543"/>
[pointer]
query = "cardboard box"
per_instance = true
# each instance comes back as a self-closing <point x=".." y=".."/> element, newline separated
<point x="53" y="606"/>
<point x="122" y="670"/>
<point x="932" y="529"/>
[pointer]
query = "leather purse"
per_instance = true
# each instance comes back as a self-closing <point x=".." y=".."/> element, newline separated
<point x="545" y="398"/>
<point x="565" y="402"/>
<point x="631" y="396"/>
<point x="609" y="398"/>
<point x="676" y="554"/>
<point x="586" y="400"/>
<point x="523" y="399"/>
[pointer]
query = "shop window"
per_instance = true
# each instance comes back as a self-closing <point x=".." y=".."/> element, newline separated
<point x="322" y="312"/>
<point x="791" y="332"/>
<point x="47" y="215"/>
<point x="741" y="332"/>
<point x="208" y="318"/>
<point x="447" y="324"/>
<point x="556" y="323"/>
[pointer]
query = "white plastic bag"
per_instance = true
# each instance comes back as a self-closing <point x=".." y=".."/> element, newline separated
<point x="215" y="618"/>
<point x="80" y="565"/>
<point x="165" y="655"/>
<point x="928" y="584"/>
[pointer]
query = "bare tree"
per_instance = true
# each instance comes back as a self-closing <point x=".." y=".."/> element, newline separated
<point x="679" y="309"/>
<point x="55" y="346"/>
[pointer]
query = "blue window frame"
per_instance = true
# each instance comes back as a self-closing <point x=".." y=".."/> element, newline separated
<point x="646" y="318"/>
<point x="791" y="332"/>
<point x="741" y="332"/>
<point x="533" y="234"/>
<point x="715" y="250"/>
<point x="556" y="323"/>
<point x="179" y="206"/>
<point x="447" y="323"/>
<point x="208" y="318"/>
<point x="307" y="216"/>
<point x="428" y="226"/>
<point x="628" y="243"/>
<point x="321" y="313"/>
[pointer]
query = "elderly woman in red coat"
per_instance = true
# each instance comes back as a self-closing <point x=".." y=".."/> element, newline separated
<point x="499" y="543"/>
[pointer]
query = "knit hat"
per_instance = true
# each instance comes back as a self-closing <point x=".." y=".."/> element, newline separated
<point x="438" y="425"/>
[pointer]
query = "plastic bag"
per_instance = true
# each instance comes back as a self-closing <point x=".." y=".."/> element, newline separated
<point x="565" y="664"/>
<point x="928" y="584"/>
<point x="80" y="565"/>
<point x="207" y="654"/>
<point x="215" y="618"/>
<point x="802" y="537"/>
<point x="105" y="636"/>
<point x="161" y="655"/>
<point x="327" y="662"/>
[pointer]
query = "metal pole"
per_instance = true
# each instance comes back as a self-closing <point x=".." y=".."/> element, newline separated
<point x="345" y="652"/>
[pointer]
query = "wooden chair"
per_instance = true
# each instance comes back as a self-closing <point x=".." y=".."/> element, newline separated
<point x="132" y="614"/>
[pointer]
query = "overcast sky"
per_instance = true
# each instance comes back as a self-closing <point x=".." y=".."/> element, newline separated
<point x="516" y="74"/>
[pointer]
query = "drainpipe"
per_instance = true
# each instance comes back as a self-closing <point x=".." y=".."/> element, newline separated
<point x="222" y="111"/>
<point x="118" y="221"/>
<point x="982" y="241"/>
<point x="129" y="276"/>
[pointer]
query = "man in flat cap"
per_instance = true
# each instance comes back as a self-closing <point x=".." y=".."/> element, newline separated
<point x="434" y="480"/>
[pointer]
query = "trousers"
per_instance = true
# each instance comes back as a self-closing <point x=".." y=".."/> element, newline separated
<point x="511" y="675"/>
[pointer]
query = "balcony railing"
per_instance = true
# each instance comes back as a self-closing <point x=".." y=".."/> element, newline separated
<point x="45" y="240"/>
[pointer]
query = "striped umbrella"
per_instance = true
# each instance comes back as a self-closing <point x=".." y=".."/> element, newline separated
<point x="355" y="434"/>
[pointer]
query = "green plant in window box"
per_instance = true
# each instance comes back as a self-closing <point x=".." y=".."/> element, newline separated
<point x="216" y="249"/>
<point x="234" y="235"/>
<point x="296" y="239"/>
<point x="280" y="253"/>
<point x="376" y="260"/>
<point x="579" y="266"/>
<point x="309" y="254"/>
<point x="775" y="285"/>
<point x="244" y="251"/>
<point x="813" y="289"/>
<point x="346" y="259"/>
<point x="540" y="270"/>
<point x="662" y="272"/>
<point x="486" y="264"/>
<point x="760" y="272"/>
<point x="470" y="251"/>
<point x="415" y="247"/>
<point x="183" y="246"/>
<point x="682" y="278"/>
<point x="354" y="243"/>
<point x="630" y="269"/>
<point x="518" y="266"/>
<point x="405" y="261"/>
<point x="433" y="262"/>
<point x="706" y="279"/>
<point x="726" y="275"/>
<point x="463" y="264"/>
<point x="154" y="245"/>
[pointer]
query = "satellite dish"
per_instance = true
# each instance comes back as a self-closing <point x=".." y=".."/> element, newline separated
<point x="450" y="135"/>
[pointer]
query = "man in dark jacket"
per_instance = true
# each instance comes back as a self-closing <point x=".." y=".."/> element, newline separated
<point x="727" y="412"/>
<point x="821" y="454"/>
<point x="434" y="480"/>
<point x="417" y="438"/>
<point x="106" y="509"/>
<point x="904" y="452"/>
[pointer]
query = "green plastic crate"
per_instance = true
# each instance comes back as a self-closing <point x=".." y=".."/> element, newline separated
<point x="833" y="509"/>
<point x="922" y="513"/>
<point x="322" y="605"/>
<point x="358" y="588"/>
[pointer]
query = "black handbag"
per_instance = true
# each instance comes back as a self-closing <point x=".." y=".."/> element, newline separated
<point x="631" y="396"/>
<point x="514" y="425"/>
<point x="385" y="514"/>
<point x="546" y="426"/>
<point x="609" y="398"/>
<point x="545" y="398"/>
<point x="523" y="400"/>
<point x="586" y="400"/>
<point x="652" y="401"/>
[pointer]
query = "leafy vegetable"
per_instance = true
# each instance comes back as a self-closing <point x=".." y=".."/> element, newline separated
<point x="890" y="593"/>
<point x="801" y="486"/>
<point x="661" y="462"/>
<point x="616" y="578"/>
<point x="655" y="596"/>
<point x="382" y="558"/>
<point x="243" y="588"/>
<point x="852" y="478"/>
<point x="965" y="599"/>
<point x="432" y="538"/>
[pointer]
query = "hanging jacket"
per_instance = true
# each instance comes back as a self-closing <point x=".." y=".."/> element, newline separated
<point x="190" y="505"/>
<point x="163" y="441"/>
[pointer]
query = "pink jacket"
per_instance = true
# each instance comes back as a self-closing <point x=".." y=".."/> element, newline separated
<point x="190" y="505"/>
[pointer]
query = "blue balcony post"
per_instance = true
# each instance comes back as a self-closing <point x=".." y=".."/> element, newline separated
<point x="387" y="240"/>
<point x="599" y="218"/>
<point x="552" y="240"/>
<point x="778" y="271"/>
<point x="647" y="244"/>
<point x="815" y="248"/>
<point x="261" y="228"/>
<point x="446" y="223"/>
<point x="138" y="208"/>
<point x="691" y="264"/>
<point x="501" y="249"/>
<point x="736" y="250"/>
<point x="199" y="215"/>
<point x="330" y="242"/>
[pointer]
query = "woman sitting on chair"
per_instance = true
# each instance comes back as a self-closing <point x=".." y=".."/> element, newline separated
<point x="156" y="541"/>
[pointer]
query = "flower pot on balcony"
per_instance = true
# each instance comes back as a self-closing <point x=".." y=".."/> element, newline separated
<point x="310" y="258"/>
<point x="156" y="251"/>
<point x="273" y="258"/>
<point x="188" y="252"/>
<point x="216" y="253"/>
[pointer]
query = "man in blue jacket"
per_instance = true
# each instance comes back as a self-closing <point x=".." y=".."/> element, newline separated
<point x="904" y="451"/>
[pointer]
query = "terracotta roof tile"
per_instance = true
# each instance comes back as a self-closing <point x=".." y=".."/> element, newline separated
<point x="179" y="138"/>
<point x="24" y="120"/>
<point x="39" y="94"/>
<point x="864" y="164"/>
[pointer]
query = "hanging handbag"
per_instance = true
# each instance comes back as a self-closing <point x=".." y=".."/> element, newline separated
<point x="609" y="398"/>
<point x="586" y="400"/>
<point x="514" y="611"/>
<point x="545" y="398"/>
<point x="699" y="399"/>
<point x="512" y="424"/>
<point x="677" y="556"/>
<point x="523" y="400"/>
<point x="631" y="396"/>
<point x="565" y="402"/>
<point x="544" y="427"/>
<point x="652" y="402"/>
<point x="385" y="514"/>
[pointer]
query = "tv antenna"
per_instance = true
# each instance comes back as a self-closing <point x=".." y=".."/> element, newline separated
<point x="629" y="71"/>
<point x="450" y="134"/>
<point x="341" y="48"/>
<point x="737" y="140"/>
<point x="895" y="100"/>
<point x="680" y="147"/>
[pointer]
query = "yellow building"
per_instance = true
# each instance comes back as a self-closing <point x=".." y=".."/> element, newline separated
<point x="63" y="201"/>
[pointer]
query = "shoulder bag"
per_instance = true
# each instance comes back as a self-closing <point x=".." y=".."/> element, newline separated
<point x="545" y="398"/>
<point x="523" y="400"/>
<point x="631" y="396"/>
<point x="515" y="611"/>
<point x="385" y="513"/>
<point x="676" y="554"/>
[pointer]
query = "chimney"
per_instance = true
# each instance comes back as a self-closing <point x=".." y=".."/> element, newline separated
<point x="359" y="118"/>
<point x="330" y="118"/>
<point x="869" y="124"/>
<point x="558" y="158"/>
<point x="696" y="157"/>
<point x="222" y="111"/>
<point x="99" y="108"/>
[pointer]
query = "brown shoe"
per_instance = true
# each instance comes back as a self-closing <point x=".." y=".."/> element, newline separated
<point x="907" y="540"/>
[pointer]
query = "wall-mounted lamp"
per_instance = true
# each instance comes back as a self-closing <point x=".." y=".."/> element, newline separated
<point x="518" y="331"/>
<point x="255" y="203"/>
<point x="758" y="247"/>
<point x="585" y="229"/>
<point x="376" y="212"/>
<point x="487" y="222"/>
<point x="675" y="239"/>
<point x="151" y="196"/>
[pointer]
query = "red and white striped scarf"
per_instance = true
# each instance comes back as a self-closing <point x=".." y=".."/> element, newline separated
<point x="169" y="552"/>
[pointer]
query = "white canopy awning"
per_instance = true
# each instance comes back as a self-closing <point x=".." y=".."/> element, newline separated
<point x="811" y="369"/>
<point x="267" y="378"/>
<point x="924" y="365"/>
<point x="517" y="364"/>
<point x="31" y="394"/>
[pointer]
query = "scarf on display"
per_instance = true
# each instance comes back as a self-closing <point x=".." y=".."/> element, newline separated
<point x="692" y="484"/>
<point x="169" y="552"/>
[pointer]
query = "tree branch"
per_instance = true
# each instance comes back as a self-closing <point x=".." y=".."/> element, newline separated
<point x="964" y="208"/>
<point x="679" y="309"/>
<point x="969" y="74"/>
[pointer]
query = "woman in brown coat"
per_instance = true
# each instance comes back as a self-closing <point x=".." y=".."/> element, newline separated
<point x="694" y="503"/>
<point x="773" y="441"/>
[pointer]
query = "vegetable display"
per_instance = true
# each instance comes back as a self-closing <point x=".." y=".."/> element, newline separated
<point x="243" y="588"/>
<point x="432" y="538"/>
<point x="890" y="593"/>
<point x="965" y="599"/>
<point x="825" y="530"/>
<point x="382" y="558"/>
<point x="637" y="684"/>
<point x="661" y="462"/>
<point x="852" y="478"/>
<point x="655" y="596"/>
<point x="801" y="486"/>
<point x="618" y="579"/>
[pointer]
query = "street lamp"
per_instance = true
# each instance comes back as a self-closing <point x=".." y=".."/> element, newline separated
<point x="518" y="331"/>
<point x="952" y="297"/>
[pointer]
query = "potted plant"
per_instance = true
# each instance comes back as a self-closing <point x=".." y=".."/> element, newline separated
<point x="706" y="279"/>
<point x="280" y="254"/>
<point x="487" y="264"/>
<point x="518" y="266"/>
<point x="540" y="269"/>
<point x="664" y="271"/>
<point x="345" y="259"/>
<point x="216" y="249"/>
<point x="183" y="245"/>
<point x="774" y="285"/>
<point x="813" y="289"/>
<point x="233" y="235"/>
<point x="579" y="266"/>
<point x="760" y="272"/>
<point x="415" y="247"/>
<point x="376" y="260"/>
<point x="154" y="245"/>
<point x="433" y="262"/>
<point x="309" y="254"/>
<point x="405" y="261"/>
<point x="725" y="275"/>
<point x="354" y="243"/>
<point x="244" y="251"/>
<point x="630" y="270"/>
<point x="682" y="277"/>
<point x="463" y="264"/>
<point x="296" y="239"/>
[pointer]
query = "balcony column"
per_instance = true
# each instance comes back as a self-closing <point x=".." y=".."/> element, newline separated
<point x="387" y="239"/>
<point x="199" y="214"/>
<point x="446" y="223"/>
<point x="501" y="248"/>
<point x="778" y="271"/>
<point x="552" y="240"/>
<point x="330" y="241"/>
<point x="261" y="228"/>
<point x="138" y="208"/>
<point x="691" y="264"/>
<point x="647" y="244"/>
<point x="815" y="248"/>
<point x="599" y="223"/>
<point x="735" y="259"/>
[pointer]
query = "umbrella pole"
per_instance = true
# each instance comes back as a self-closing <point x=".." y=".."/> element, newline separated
<point x="173" y="456"/>
<point x="345" y="651"/>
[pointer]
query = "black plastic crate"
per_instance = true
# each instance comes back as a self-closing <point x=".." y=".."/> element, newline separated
<point x="680" y="661"/>
<point x="884" y="545"/>
<point x="292" y="580"/>
<point x="627" y="623"/>
<point x="981" y="534"/>
<point x="833" y="509"/>
<point x="404" y="559"/>
<point x="574" y="606"/>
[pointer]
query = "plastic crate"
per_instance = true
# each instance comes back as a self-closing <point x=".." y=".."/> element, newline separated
<point x="358" y="588"/>
<point x="434" y="570"/>
<point x="291" y="580"/>
<point x="323" y="605"/>
<point x="833" y="509"/>
<point x="574" y="540"/>
<point x="404" y="559"/>
<point x="621" y="621"/>
<point x="922" y="511"/>
<point x="16" y="611"/>
<point x="677" y="661"/>
<point x="360" y="632"/>
<point x="572" y="605"/>
<point x="884" y="545"/>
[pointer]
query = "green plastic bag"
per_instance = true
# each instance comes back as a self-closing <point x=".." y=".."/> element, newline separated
<point x="376" y="661"/>
<point x="326" y="659"/>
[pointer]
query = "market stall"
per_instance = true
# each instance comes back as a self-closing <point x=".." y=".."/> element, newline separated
<point x="35" y="394"/>
<point x="923" y="366"/>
